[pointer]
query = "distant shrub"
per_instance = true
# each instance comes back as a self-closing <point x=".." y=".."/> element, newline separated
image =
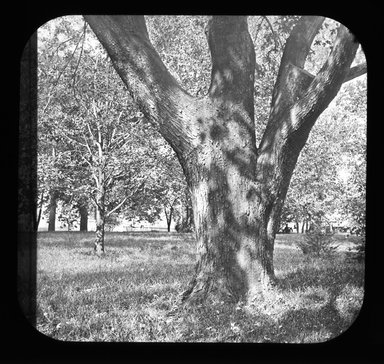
<point x="318" y="242"/>
<point x="182" y="227"/>
<point x="357" y="253"/>
<point x="111" y="222"/>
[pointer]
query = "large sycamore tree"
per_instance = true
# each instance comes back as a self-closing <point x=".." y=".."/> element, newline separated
<point x="238" y="188"/>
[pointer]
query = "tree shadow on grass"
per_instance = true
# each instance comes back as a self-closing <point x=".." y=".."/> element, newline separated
<point x="330" y="276"/>
<point x="307" y="325"/>
<point x="323" y="301"/>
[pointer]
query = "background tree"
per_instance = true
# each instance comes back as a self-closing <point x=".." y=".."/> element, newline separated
<point x="238" y="189"/>
<point x="84" y="107"/>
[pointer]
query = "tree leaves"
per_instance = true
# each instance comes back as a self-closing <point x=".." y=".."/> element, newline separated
<point x="91" y="122"/>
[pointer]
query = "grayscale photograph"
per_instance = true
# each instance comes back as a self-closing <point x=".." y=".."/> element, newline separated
<point x="199" y="178"/>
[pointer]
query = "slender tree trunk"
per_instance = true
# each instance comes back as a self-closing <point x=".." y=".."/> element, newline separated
<point x="52" y="212"/>
<point x="100" y="214"/>
<point x="187" y="224"/>
<point x="40" y="210"/>
<point x="186" y="220"/>
<point x="38" y="218"/>
<point x="168" y="216"/>
<point x="83" y="211"/>
<point x="100" y="227"/>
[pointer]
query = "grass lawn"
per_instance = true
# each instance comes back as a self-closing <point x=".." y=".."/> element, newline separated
<point x="127" y="295"/>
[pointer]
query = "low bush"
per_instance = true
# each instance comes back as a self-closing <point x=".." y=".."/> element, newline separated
<point x="318" y="242"/>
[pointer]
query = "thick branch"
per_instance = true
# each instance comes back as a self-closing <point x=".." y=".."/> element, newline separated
<point x="305" y="97"/>
<point x="233" y="60"/>
<point x="356" y="71"/>
<point x="295" y="53"/>
<point x="156" y="91"/>
<point x="303" y="77"/>
<point x="328" y="81"/>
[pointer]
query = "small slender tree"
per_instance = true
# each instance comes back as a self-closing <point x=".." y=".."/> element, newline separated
<point x="93" y="123"/>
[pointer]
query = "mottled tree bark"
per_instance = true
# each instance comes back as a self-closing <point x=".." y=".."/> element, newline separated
<point x="237" y="189"/>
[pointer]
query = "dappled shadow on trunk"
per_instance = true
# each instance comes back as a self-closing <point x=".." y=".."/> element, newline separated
<point x="232" y="257"/>
<point x="217" y="272"/>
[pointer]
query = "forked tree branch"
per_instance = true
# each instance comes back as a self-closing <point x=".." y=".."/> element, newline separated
<point x="299" y="97"/>
<point x="353" y="73"/>
<point x="299" y="101"/>
<point x="329" y="79"/>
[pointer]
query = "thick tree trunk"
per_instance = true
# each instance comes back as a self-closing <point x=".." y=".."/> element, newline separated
<point x="230" y="219"/>
<point x="230" y="205"/>
<point x="237" y="189"/>
<point x="52" y="212"/>
<point x="83" y="211"/>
